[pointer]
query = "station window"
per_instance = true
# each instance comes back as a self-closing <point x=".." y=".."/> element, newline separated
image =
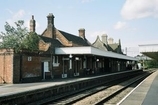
<point x="55" y="59"/>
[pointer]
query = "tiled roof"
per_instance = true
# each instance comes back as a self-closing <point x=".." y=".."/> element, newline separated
<point x="107" y="47"/>
<point x="99" y="44"/>
<point x="76" y="40"/>
<point x="114" y="46"/>
<point x="54" y="42"/>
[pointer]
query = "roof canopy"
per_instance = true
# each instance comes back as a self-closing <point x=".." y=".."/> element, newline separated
<point x="91" y="51"/>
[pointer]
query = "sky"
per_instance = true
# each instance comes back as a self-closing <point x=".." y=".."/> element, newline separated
<point x="134" y="22"/>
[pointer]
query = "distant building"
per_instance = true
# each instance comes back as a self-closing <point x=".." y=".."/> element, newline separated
<point x="143" y="57"/>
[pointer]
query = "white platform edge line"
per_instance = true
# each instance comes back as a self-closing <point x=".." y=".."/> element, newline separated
<point x="132" y="91"/>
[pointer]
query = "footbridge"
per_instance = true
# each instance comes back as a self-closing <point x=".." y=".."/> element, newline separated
<point x="149" y="50"/>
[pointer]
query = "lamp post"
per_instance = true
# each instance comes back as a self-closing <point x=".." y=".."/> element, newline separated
<point x="70" y="64"/>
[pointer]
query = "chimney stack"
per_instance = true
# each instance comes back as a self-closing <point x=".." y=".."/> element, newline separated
<point x="104" y="39"/>
<point x="82" y="33"/>
<point x="50" y="27"/>
<point x="32" y="24"/>
<point x="110" y="41"/>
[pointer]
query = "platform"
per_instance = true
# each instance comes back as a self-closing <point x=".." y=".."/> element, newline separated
<point x="145" y="93"/>
<point x="8" y="89"/>
<point x="42" y="92"/>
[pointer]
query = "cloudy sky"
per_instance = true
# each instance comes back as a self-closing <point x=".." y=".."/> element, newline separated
<point x="135" y="22"/>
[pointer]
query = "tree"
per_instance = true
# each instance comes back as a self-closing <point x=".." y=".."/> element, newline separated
<point x="152" y="64"/>
<point x="31" y="42"/>
<point x="18" y="38"/>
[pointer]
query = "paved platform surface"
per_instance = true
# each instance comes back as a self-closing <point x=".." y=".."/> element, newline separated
<point x="11" y="89"/>
<point x="146" y="93"/>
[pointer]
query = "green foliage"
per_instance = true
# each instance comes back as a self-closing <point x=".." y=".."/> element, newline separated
<point x="151" y="64"/>
<point x="31" y="42"/>
<point x="18" y="38"/>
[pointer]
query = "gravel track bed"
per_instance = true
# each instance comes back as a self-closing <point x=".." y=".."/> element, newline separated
<point x="91" y="100"/>
<point x="119" y="97"/>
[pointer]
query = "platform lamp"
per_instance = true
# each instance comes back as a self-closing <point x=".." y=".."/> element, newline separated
<point x="70" y="64"/>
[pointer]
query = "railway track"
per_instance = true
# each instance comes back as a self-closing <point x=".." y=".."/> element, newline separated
<point x="115" y="96"/>
<point x="102" y="94"/>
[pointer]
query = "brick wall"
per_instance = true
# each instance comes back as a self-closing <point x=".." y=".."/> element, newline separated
<point x="16" y="68"/>
<point x="32" y="70"/>
<point x="6" y="66"/>
<point x="31" y="66"/>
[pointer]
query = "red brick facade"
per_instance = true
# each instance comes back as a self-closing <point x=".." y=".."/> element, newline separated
<point x="32" y="69"/>
<point x="15" y="68"/>
<point x="31" y="66"/>
<point x="6" y="66"/>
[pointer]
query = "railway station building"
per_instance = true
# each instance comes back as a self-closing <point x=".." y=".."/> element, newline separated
<point x="63" y="55"/>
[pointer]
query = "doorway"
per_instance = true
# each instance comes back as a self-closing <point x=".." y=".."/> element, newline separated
<point x="45" y="70"/>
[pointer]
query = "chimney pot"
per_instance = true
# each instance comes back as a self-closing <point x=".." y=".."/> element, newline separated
<point x="50" y="18"/>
